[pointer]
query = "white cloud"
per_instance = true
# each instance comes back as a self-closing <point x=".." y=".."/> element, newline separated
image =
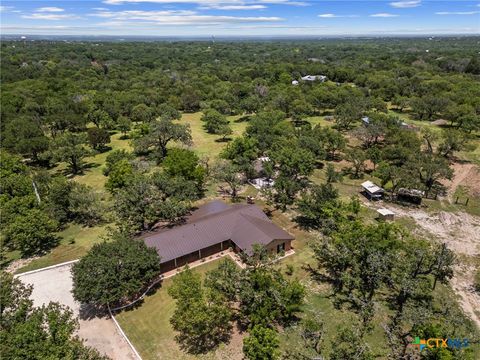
<point x="234" y="7"/>
<point x="49" y="16"/>
<point x="6" y="8"/>
<point x="100" y="9"/>
<point x="457" y="12"/>
<point x="406" y="4"/>
<point x="179" y="17"/>
<point x="53" y="9"/>
<point x="329" y="16"/>
<point x="212" y="3"/>
<point x="384" y="15"/>
<point x="285" y="2"/>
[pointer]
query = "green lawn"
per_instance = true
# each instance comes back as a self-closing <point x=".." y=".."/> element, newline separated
<point x="205" y="144"/>
<point x="93" y="174"/>
<point x="75" y="241"/>
<point x="148" y="326"/>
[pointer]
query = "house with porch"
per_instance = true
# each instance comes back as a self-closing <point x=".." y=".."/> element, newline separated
<point x="213" y="228"/>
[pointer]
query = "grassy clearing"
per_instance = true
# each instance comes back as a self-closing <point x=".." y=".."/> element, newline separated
<point x="93" y="174"/>
<point x="75" y="241"/>
<point x="149" y="329"/>
<point x="205" y="144"/>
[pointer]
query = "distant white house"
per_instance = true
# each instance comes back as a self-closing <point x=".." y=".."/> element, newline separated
<point x="295" y="82"/>
<point x="321" y="78"/>
<point x="366" y="120"/>
<point x="261" y="181"/>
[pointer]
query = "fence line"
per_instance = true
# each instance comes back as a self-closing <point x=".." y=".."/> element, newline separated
<point x="119" y="328"/>
<point x="46" y="268"/>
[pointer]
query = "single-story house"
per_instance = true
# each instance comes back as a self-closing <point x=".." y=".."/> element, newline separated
<point x="215" y="227"/>
<point x="321" y="78"/>
<point x="385" y="214"/>
<point x="372" y="191"/>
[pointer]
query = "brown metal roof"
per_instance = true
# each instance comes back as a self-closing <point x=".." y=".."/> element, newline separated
<point x="213" y="223"/>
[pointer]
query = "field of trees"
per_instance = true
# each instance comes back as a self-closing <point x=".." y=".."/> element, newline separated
<point x="104" y="141"/>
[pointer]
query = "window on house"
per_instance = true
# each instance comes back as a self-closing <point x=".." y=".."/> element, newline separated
<point x="280" y="248"/>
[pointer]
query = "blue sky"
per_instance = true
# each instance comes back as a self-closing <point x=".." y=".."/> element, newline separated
<point x="240" y="17"/>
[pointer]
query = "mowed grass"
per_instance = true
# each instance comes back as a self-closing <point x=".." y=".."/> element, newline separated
<point x="93" y="172"/>
<point x="205" y="144"/>
<point x="75" y="241"/>
<point x="148" y="326"/>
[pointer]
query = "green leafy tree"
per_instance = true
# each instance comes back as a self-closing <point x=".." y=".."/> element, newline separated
<point x="142" y="113"/>
<point x="262" y="343"/>
<point x="333" y="141"/>
<point x="242" y="151"/>
<point x="223" y="280"/>
<point x="201" y="325"/>
<point x="267" y="128"/>
<point x="141" y="204"/>
<point x="265" y="297"/>
<point x="444" y="260"/>
<point x="115" y="156"/>
<point x="31" y="232"/>
<point x="454" y="140"/>
<point x="160" y="133"/>
<point x="85" y="205"/>
<point x="229" y="173"/>
<point x="114" y="271"/>
<point x="71" y="148"/>
<point x="319" y="208"/>
<point x="428" y="106"/>
<point x="100" y="118"/>
<point x="332" y="176"/>
<point x="184" y="163"/>
<point x="294" y="166"/>
<point x="348" y="113"/>
<point x="430" y="169"/>
<point x="358" y="261"/>
<point x="119" y="175"/>
<point x="124" y="124"/>
<point x="349" y="345"/>
<point x="98" y="138"/>
<point x="216" y="123"/>
<point x="25" y="137"/>
<point x="357" y="158"/>
<point x="168" y="112"/>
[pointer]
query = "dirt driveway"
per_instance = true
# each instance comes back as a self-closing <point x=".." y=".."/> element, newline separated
<point x="54" y="284"/>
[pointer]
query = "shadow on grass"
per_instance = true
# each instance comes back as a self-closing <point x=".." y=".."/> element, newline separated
<point x="223" y="140"/>
<point x="243" y="119"/>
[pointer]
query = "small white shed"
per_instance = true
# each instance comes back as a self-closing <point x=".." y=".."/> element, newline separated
<point x="385" y="214"/>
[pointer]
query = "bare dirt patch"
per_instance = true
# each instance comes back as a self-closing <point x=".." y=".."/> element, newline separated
<point x="55" y="284"/>
<point x="461" y="232"/>
<point x="467" y="175"/>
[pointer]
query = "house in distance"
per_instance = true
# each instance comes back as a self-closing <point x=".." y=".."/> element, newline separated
<point x="215" y="227"/>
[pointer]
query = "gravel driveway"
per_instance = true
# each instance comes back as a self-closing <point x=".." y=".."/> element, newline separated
<point x="55" y="284"/>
